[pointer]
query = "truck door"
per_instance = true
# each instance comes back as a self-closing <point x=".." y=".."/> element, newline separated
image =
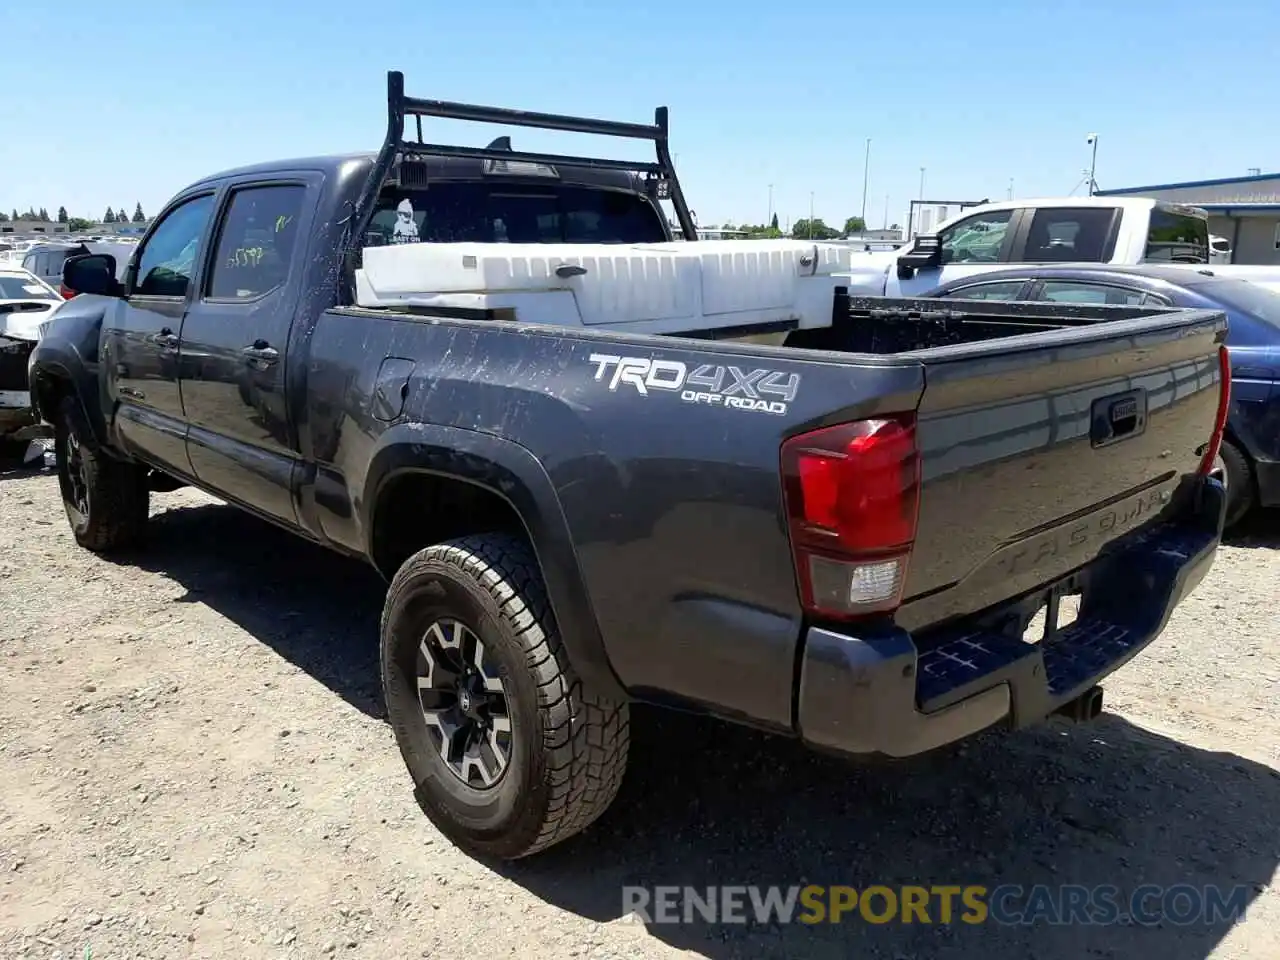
<point x="241" y="440"/>
<point x="140" y="335"/>
<point x="970" y="246"/>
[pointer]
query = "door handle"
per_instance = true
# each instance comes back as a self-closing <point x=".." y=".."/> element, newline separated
<point x="165" y="338"/>
<point x="262" y="352"/>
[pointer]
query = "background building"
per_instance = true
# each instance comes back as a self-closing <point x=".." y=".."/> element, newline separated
<point x="33" y="226"/>
<point x="1244" y="210"/>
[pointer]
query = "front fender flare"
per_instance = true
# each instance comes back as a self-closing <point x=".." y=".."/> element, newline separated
<point x="510" y="471"/>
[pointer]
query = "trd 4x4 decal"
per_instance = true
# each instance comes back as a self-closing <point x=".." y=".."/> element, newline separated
<point x="736" y="388"/>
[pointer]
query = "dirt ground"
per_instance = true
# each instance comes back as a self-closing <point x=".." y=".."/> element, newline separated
<point x="193" y="764"/>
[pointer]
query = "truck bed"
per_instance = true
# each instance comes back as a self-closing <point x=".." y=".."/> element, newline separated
<point x="661" y="455"/>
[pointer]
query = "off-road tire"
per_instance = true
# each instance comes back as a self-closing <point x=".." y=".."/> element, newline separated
<point x="1240" y="483"/>
<point x="568" y="746"/>
<point x="116" y="491"/>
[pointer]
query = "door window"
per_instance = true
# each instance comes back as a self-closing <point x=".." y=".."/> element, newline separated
<point x="256" y="242"/>
<point x="1070" y="234"/>
<point x="976" y="240"/>
<point x="169" y="257"/>
<point x="1075" y="291"/>
<point x="1002" y="290"/>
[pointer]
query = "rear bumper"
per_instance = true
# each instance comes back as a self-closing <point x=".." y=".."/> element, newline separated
<point x="897" y="695"/>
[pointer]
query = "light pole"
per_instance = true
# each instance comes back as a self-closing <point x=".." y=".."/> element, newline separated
<point x="768" y="222"/>
<point x="921" y="197"/>
<point x="1093" y="163"/>
<point x="1011" y="188"/>
<point x="866" y="172"/>
<point x="810" y="214"/>
<point x="885" y="225"/>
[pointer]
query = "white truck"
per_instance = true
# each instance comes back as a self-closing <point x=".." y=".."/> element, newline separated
<point x="1112" y="230"/>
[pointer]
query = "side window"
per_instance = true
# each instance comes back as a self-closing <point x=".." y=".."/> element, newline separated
<point x="1065" y="234"/>
<point x="167" y="262"/>
<point x="1074" y="291"/>
<point x="976" y="240"/>
<point x="256" y="241"/>
<point x="1000" y="290"/>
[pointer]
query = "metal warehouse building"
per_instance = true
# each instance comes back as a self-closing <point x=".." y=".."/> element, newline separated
<point x="1244" y="210"/>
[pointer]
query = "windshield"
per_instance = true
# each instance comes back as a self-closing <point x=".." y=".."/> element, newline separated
<point x="14" y="287"/>
<point x="513" y="213"/>
<point x="1245" y="297"/>
<point x="1177" y="237"/>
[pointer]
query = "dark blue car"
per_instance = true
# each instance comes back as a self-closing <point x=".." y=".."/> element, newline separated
<point x="1250" y="459"/>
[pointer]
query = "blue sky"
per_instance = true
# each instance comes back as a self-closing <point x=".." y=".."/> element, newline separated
<point x="133" y="105"/>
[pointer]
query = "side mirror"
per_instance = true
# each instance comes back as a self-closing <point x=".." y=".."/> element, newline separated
<point x="926" y="252"/>
<point x="91" y="273"/>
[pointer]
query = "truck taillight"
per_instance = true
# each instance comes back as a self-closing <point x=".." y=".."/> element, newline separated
<point x="65" y="292"/>
<point x="1224" y="410"/>
<point x="852" y="493"/>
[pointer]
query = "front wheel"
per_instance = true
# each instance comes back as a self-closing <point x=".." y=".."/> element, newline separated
<point x="509" y="753"/>
<point x="107" y="501"/>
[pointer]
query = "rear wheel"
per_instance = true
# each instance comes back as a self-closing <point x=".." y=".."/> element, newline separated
<point x="1234" y="470"/>
<point x="509" y="753"/>
<point x="107" y="501"/>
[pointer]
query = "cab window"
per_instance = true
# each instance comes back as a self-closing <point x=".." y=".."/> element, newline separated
<point x="168" y="260"/>
<point x="1076" y="291"/>
<point x="255" y="244"/>
<point x="996" y="290"/>
<point x="513" y="213"/>
<point x="978" y="239"/>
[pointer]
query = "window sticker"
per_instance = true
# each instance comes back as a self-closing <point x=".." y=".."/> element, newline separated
<point x="405" y="229"/>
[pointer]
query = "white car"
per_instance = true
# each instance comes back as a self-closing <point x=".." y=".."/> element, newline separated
<point x="27" y="303"/>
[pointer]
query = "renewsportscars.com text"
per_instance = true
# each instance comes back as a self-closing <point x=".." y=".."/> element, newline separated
<point x="1007" y="904"/>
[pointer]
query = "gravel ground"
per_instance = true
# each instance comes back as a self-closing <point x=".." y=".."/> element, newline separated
<point x="195" y="765"/>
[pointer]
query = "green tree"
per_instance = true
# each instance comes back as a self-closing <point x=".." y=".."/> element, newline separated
<point x="4" y="217"/>
<point x="79" y="224"/>
<point x="773" y="224"/>
<point x="804" y="230"/>
<point x="62" y="215"/>
<point x="109" y="216"/>
<point x="15" y="214"/>
<point x="854" y="225"/>
<point x="44" y="214"/>
<point x="138" y="215"/>
<point x="31" y="214"/>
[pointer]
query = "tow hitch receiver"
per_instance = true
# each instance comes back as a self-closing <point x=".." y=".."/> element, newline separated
<point x="1083" y="708"/>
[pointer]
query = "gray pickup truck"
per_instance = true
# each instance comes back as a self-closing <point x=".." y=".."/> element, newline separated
<point x="842" y="537"/>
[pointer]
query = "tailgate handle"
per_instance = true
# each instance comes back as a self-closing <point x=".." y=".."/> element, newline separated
<point x="1118" y="417"/>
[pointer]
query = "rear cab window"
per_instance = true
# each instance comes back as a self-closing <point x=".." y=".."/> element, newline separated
<point x="256" y="241"/>
<point x="1177" y="235"/>
<point x="484" y="212"/>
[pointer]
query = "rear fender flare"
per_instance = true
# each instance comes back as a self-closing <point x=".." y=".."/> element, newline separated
<point x="510" y="471"/>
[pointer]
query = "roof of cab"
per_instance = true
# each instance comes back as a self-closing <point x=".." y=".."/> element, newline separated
<point x="440" y="168"/>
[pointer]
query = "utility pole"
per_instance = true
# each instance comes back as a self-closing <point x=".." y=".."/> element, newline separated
<point x="921" y="197"/>
<point x="885" y="225"/>
<point x="866" y="173"/>
<point x="810" y="214"/>
<point x="1011" y="188"/>
<point x="769" y="219"/>
<point x="1093" y="164"/>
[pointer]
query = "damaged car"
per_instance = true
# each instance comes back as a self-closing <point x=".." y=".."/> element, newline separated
<point x="27" y="304"/>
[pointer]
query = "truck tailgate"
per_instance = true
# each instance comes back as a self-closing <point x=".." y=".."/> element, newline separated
<point x="1037" y="451"/>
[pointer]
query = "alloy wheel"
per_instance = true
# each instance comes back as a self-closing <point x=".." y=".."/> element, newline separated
<point x="464" y="703"/>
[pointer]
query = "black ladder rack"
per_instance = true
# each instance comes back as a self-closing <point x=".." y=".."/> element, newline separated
<point x="395" y="145"/>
